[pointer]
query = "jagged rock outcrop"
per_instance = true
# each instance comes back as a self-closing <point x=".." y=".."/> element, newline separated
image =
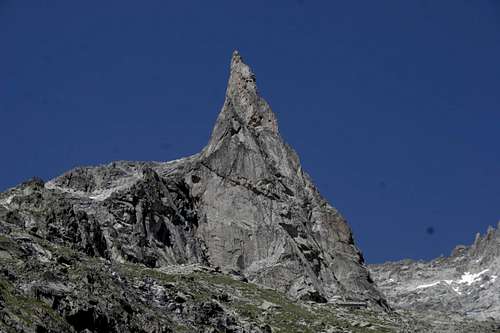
<point x="465" y="284"/>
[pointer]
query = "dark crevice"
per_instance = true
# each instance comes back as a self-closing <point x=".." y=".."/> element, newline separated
<point x="91" y="320"/>
<point x="247" y="186"/>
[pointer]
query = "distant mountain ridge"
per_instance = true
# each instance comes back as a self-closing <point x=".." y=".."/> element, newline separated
<point x="467" y="283"/>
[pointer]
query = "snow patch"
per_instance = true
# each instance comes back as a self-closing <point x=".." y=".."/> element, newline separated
<point x="50" y="185"/>
<point x="100" y="194"/>
<point x="7" y="201"/>
<point x="175" y="161"/>
<point x="471" y="278"/>
<point x="104" y="194"/>
<point x="422" y="286"/>
<point x="467" y="278"/>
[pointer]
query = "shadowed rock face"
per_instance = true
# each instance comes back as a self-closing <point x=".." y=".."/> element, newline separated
<point x="243" y="204"/>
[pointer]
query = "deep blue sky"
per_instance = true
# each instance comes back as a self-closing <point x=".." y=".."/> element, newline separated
<point x="393" y="106"/>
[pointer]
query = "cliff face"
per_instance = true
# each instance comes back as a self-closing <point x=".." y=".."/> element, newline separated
<point x="264" y="217"/>
<point x="242" y="204"/>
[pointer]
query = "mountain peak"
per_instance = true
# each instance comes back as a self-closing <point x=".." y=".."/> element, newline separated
<point x="243" y="204"/>
<point x="243" y="99"/>
<point x="236" y="57"/>
<point x="244" y="111"/>
<point x="255" y="170"/>
<point x="238" y="65"/>
<point x="241" y="75"/>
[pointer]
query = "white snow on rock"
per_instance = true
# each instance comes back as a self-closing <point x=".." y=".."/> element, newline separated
<point x="98" y="195"/>
<point x="5" y="202"/>
<point x="471" y="278"/>
<point x="467" y="278"/>
<point x="104" y="194"/>
<point x="422" y="286"/>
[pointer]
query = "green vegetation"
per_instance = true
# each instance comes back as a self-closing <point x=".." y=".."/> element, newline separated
<point x="250" y="302"/>
<point x="28" y="309"/>
<point x="246" y="299"/>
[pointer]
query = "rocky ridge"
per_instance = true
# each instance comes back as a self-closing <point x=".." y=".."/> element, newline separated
<point x="464" y="284"/>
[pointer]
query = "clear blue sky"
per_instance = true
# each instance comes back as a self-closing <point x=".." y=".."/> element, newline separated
<point x="393" y="106"/>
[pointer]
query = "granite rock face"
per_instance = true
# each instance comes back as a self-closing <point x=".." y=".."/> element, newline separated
<point x="242" y="204"/>
<point x="465" y="284"/>
<point x="262" y="215"/>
